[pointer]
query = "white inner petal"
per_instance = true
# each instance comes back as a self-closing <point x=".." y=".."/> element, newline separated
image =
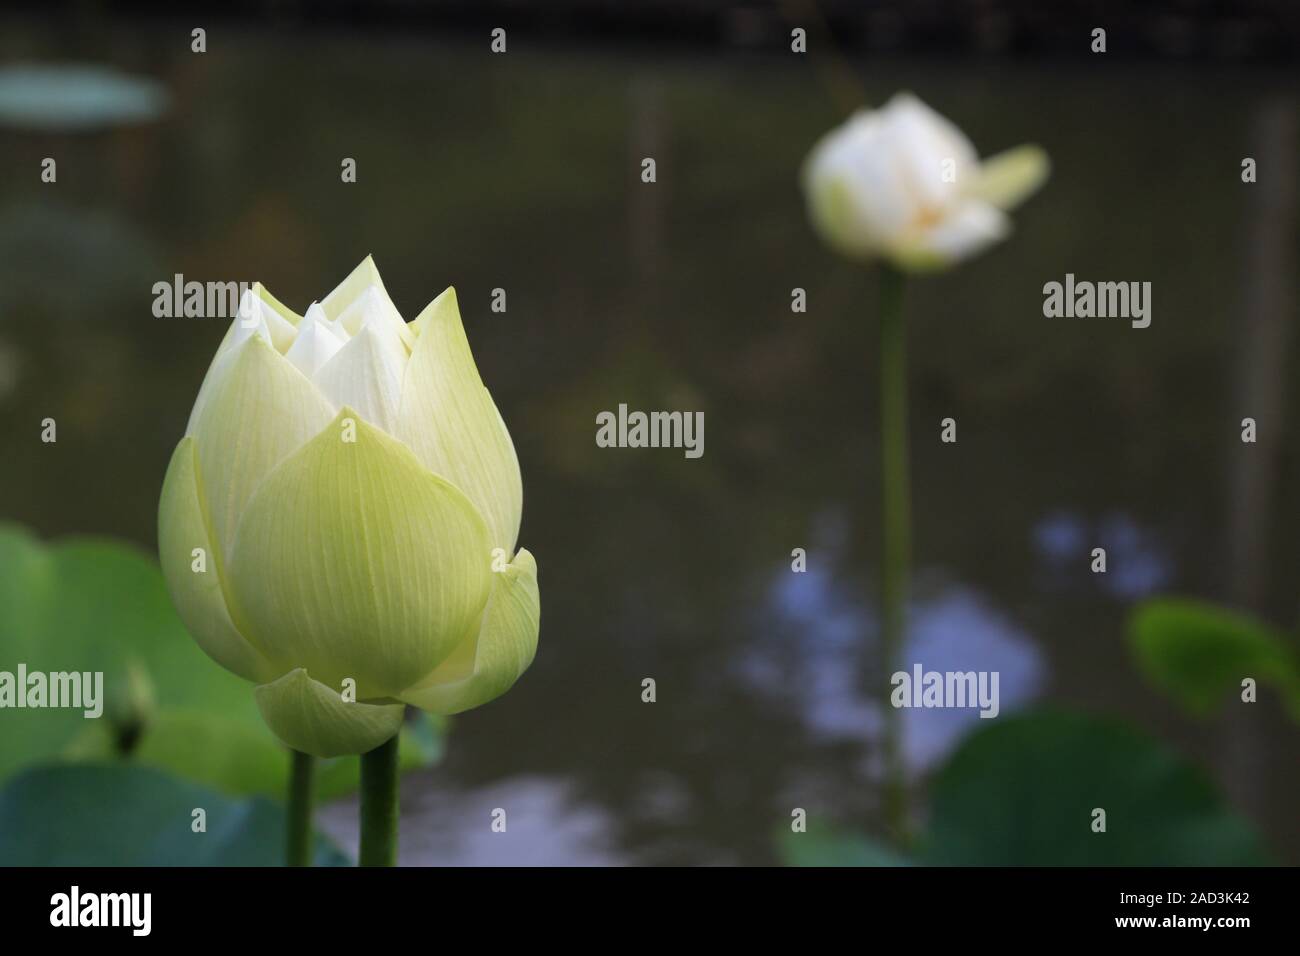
<point x="250" y="321"/>
<point x="366" y="374"/>
<point x="923" y="141"/>
<point x="281" y="329"/>
<point x="374" y="307"/>
<point x="970" y="227"/>
<point x="859" y="157"/>
<point x="316" y="343"/>
<point x="255" y="317"/>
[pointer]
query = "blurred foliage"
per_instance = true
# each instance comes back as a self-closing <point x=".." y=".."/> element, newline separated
<point x="1023" y="792"/>
<point x="827" y="845"/>
<point x="115" y="815"/>
<point x="1199" y="653"/>
<point x="94" y="604"/>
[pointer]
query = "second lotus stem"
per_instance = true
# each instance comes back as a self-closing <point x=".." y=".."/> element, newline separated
<point x="896" y="495"/>
<point x="302" y="771"/>
<point x="379" y="809"/>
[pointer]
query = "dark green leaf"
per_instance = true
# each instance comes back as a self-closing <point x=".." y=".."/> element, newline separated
<point x="1199" y="653"/>
<point x="93" y="605"/>
<point x="116" y="815"/>
<point x="1022" y="793"/>
<point x="89" y="604"/>
<point x="826" y="845"/>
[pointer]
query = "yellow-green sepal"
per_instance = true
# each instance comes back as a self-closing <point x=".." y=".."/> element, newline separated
<point x="258" y="411"/>
<point x="317" y="720"/>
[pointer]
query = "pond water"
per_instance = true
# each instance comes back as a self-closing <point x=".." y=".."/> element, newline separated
<point x="522" y="173"/>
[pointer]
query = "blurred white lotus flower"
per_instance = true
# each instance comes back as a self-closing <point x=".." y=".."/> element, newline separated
<point x="904" y="184"/>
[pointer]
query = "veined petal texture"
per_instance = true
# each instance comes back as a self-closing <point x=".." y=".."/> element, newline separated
<point x="451" y="423"/>
<point x="194" y="581"/>
<point x="354" y="561"/>
<point x="488" y="664"/>
<point x="310" y="717"/>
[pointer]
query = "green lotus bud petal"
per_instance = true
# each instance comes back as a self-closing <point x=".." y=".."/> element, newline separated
<point x="277" y="329"/>
<point x="259" y="410"/>
<point x="270" y="320"/>
<point x="310" y="717"/>
<point x="487" y="665"/>
<point x="451" y="423"/>
<point x="1009" y="178"/>
<point x="256" y="316"/>
<point x="286" y="313"/>
<point x="355" y="561"/>
<point x="362" y="280"/>
<point x="198" y="594"/>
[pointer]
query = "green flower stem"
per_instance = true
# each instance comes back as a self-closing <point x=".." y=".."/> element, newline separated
<point x="897" y="532"/>
<point x="379" y="805"/>
<point x="302" y="772"/>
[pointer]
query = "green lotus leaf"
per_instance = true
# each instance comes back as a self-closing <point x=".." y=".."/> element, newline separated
<point x="117" y="815"/>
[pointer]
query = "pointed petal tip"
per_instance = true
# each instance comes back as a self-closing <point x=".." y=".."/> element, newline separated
<point x="370" y="268"/>
<point x="445" y="299"/>
<point x="364" y="426"/>
<point x="286" y="313"/>
<point x="448" y="418"/>
<point x="442" y="308"/>
<point x="525" y="562"/>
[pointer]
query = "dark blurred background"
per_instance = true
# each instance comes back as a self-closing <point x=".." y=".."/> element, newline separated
<point x="522" y="172"/>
